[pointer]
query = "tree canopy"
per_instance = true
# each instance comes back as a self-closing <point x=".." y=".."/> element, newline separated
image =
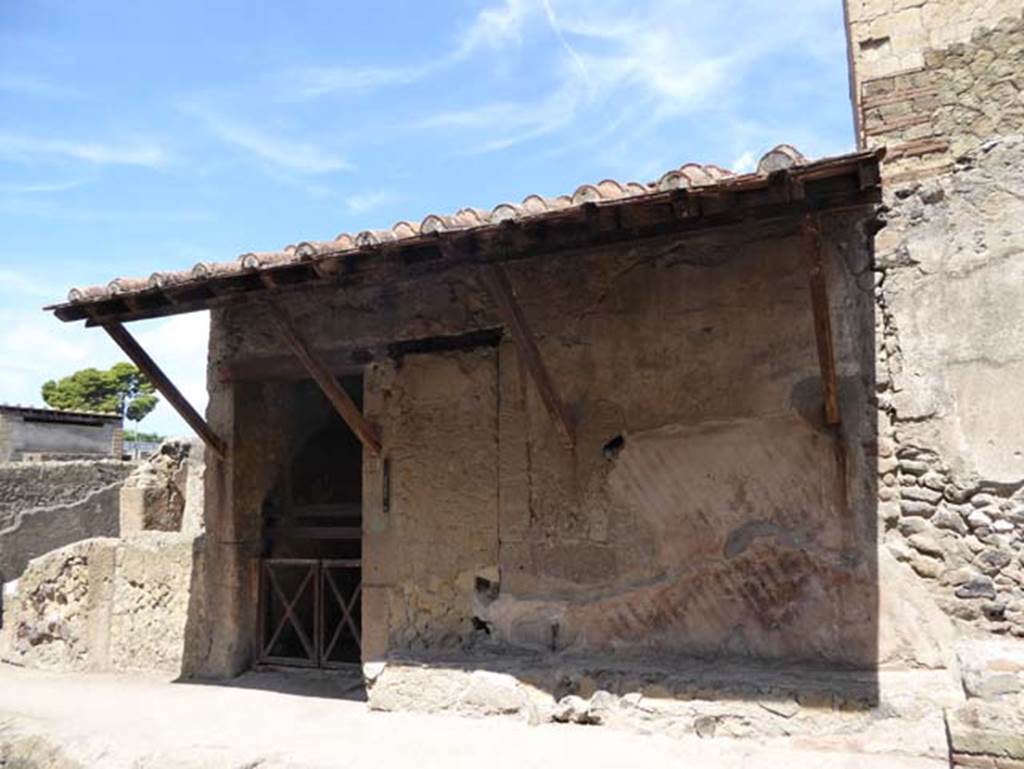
<point x="122" y="389"/>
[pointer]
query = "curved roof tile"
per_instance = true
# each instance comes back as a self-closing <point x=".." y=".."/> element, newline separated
<point x="689" y="175"/>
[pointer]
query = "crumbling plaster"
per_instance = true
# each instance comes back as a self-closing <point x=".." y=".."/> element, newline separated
<point x="104" y="604"/>
<point x="951" y="360"/>
<point x="723" y="494"/>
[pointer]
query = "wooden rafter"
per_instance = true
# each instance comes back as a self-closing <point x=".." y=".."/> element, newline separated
<point x="322" y="375"/>
<point x="822" y="321"/>
<point x="833" y="184"/>
<point x="501" y="291"/>
<point x="164" y="386"/>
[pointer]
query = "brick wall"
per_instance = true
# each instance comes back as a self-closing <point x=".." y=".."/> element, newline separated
<point x="933" y="79"/>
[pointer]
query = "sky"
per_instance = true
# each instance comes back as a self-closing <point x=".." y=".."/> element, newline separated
<point x="138" y="136"/>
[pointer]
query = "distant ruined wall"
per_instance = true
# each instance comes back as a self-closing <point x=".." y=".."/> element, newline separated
<point x="21" y="438"/>
<point x="44" y="505"/>
<point x="941" y="84"/>
<point x="109" y="603"/>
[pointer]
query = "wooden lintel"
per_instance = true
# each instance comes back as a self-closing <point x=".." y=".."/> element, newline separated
<point x="822" y="321"/>
<point x="166" y="388"/>
<point x="501" y="291"/>
<point x="323" y="376"/>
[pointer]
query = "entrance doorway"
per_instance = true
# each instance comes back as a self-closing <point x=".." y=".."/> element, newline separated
<point x="311" y="571"/>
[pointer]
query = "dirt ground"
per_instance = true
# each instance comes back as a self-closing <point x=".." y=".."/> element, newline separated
<point x="277" y="721"/>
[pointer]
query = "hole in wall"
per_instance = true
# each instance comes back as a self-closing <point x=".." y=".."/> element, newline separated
<point x="613" y="447"/>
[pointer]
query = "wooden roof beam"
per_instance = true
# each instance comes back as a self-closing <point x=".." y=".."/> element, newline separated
<point x="500" y="288"/>
<point x="822" y="321"/>
<point x="164" y="386"/>
<point x="323" y="376"/>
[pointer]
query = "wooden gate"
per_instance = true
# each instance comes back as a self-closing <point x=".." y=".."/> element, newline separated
<point x="309" y="611"/>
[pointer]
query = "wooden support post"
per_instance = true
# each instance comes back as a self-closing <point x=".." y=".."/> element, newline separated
<point x="501" y="291"/>
<point x="166" y="388"/>
<point x="822" y="322"/>
<point x="328" y="383"/>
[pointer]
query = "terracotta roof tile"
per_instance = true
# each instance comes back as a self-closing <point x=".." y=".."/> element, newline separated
<point x="690" y="175"/>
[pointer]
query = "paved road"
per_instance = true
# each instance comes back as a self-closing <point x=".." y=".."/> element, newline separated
<point x="103" y="721"/>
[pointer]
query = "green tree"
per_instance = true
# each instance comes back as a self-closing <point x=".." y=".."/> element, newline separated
<point x="122" y="389"/>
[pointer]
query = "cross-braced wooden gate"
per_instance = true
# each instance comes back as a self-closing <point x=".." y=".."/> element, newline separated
<point x="310" y="611"/>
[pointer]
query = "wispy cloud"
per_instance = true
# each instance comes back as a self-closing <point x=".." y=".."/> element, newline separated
<point x="363" y="202"/>
<point x="45" y="208"/>
<point x="745" y="162"/>
<point x="315" y="81"/>
<point x="27" y="85"/>
<point x="14" y="282"/>
<point x="297" y="155"/>
<point x="628" y="67"/>
<point x="39" y="188"/>
<point x="32" y="149"/>
<point x="492" y="28"/>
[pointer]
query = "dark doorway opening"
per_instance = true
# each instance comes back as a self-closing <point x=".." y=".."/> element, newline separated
<point x="311" y="571"/>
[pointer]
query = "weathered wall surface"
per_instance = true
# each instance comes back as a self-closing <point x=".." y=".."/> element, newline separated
<point x="716" y="526"/>
<point x="950" y="285"/>
<point x="164" y="493"/>
<point x="952" y="81"/>
<point x="441" y="415"/>
<point x="701" y="511"/>
<point x="941" y="84"/>
<point x="19" y="437"/>
<point x="952" y="266"/>
<point x="44" y="505"/>
<point x="104" y="604"/>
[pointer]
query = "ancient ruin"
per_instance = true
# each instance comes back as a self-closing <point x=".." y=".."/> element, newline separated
<point x="719" y="454"/>
<point x="34" y="434"/>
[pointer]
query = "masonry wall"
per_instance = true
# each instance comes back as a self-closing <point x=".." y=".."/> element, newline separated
<point x="946" y="98"/>
<point x="19" y="438"/>
<point x="701" y="512"/>
<point x="104" y="604"/>
<point x="116" y="596"/>
<point x="44" y="505"/>
<point x="931" y="79"/>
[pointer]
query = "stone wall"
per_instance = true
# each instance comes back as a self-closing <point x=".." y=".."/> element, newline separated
<point x="107" y="603"/>
<point x="26" y="438"/>
<point x="164" y="493"/>
<point x="44" y="505"/>
<point x="951" y="285"/>
<point x="940" y="83"/>
<point x="964" y="87"/>
<point x="890" y="36"/>
<point x="104" y="604"/>
<point x="701" y="512"/>
<point x="949" y="104"/>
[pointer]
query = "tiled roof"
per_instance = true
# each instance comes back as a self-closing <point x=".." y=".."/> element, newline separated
<point x="319" y="256"/>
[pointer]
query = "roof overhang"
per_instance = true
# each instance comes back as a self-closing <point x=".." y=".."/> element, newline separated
<point x="833" y="184"/>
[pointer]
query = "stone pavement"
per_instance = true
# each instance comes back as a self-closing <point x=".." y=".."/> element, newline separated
<point x="276" y="721"/>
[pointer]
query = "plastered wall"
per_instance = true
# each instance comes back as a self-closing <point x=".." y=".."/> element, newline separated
<point x="940" y="85"/>
<point x="702" y="510"/>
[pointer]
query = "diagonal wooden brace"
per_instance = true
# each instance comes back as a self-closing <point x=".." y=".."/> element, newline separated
<point x="503" y="295"/>
<point x="166" y="388"/>
<point x="822" y="322"/>
<point x="325" y="379"/>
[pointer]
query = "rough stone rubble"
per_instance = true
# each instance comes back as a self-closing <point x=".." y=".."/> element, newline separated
<point x="116" y="603"/>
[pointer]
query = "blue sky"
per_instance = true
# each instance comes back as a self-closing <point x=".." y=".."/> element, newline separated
<point x="137" y="136"/>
